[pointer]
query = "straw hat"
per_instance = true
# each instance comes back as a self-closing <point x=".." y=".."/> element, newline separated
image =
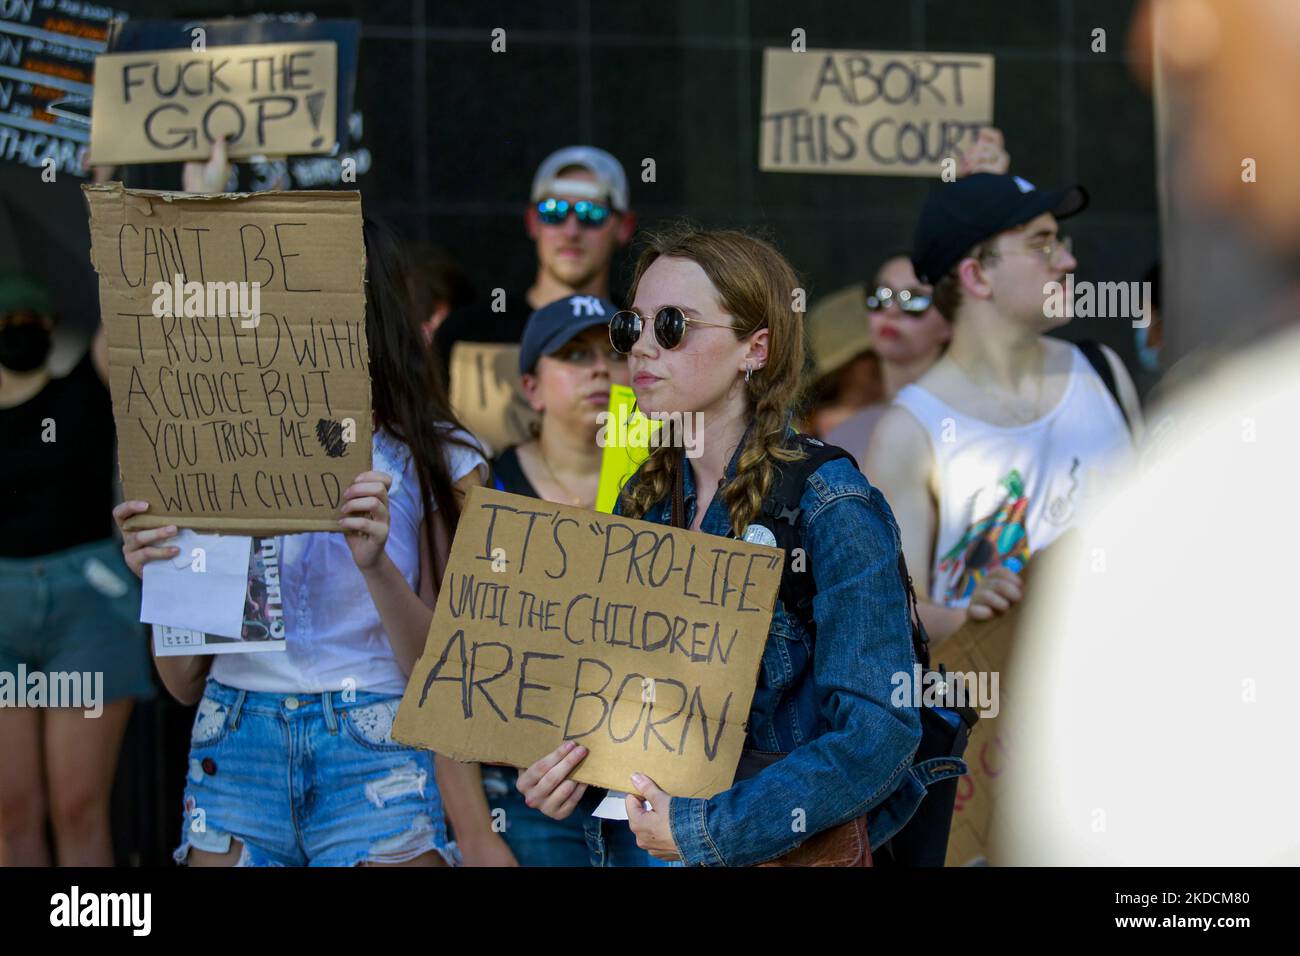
<point x="837" y="329"/>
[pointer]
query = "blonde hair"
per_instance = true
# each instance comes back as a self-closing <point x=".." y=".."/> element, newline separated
<point x="755" y="285"/>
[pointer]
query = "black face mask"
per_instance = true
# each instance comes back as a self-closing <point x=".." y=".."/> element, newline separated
<point x="24" y="347"/>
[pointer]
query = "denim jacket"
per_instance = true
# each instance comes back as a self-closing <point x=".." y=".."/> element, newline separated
<point x="823" y="700"/>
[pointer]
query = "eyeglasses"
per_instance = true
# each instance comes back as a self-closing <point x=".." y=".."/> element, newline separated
<point x="670" y="327"/>
<point x="912" y="302"/>
<point x="1048" y="248"/>
<point x="554" y="211"/>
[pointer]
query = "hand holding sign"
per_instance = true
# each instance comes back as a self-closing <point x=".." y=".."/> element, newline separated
<point x="654" y="833"/>
<point x="546" y="785"/>
<point x="139" y="547"/>
<point x="986" y="155"/>
<point x="209" y="177"/>
<point x="365" y="517"/>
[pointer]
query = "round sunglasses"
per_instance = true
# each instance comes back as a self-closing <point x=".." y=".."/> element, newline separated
<point x="554" y="211"/>
<point x="669" y="324"/>
<point x="912" y="302"/>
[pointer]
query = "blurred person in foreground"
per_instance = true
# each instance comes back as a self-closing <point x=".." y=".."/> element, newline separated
<point x="1145" y="650"/>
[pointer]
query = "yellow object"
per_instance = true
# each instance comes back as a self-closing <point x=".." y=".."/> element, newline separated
<point x="626" y="441"/>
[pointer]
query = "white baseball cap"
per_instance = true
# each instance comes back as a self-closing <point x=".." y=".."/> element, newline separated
<point x="611" y="180"/>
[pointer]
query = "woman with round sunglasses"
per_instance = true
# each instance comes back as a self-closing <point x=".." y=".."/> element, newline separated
<point x="908" y="334"/>
<point x="711" y="332"/>
<point x="567" y="367"/>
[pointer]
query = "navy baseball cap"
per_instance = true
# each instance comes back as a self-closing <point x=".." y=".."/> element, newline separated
<point x="960" y="214"/>
<point x="552" y="326"/>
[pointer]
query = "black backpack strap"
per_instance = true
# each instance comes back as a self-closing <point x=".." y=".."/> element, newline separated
<point x="1096" y="357"/>
<point x="781" y="513"/>
<point x="920" y="639"/>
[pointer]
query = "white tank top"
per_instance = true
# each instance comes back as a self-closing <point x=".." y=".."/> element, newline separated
<point x="1004" y="493"/>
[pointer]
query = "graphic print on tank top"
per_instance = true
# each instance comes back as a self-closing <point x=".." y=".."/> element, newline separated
<point x="997" y="541"/>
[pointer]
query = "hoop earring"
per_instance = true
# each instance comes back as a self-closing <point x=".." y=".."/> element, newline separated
<point x="749" y="371"/>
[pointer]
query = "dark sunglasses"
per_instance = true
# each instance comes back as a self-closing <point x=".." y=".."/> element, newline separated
<point x="912" y="302"/>
<point x="670" y="327"/>
<point x="554" y="211"/>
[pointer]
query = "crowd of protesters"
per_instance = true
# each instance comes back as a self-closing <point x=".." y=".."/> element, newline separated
<point x="943" y="430"/>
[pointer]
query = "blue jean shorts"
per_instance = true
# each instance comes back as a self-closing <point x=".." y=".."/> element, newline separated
<point x="308" y="780"/>
<point x="76" y="611"/>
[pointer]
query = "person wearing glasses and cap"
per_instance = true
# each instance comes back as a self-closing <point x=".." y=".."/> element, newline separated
<point x="991" y="454"/>
<point x="567" y="366"/>
<point x="907" y="333"/>
<point x="578" y="218"/>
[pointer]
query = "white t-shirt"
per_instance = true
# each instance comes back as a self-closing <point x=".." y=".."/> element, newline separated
<point x="334" y="639"/>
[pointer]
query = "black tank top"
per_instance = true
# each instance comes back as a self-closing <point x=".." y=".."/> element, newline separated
<point x="57" y="494"/>
<point x="508" y="475"/>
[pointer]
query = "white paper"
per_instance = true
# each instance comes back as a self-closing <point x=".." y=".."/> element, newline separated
<point x="210" y="600"/>
<point x="614" y="807"/>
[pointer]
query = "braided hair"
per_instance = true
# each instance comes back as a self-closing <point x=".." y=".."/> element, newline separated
<point x="756" y="286"/>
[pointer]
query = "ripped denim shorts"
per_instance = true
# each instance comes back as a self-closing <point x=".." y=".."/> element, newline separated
<point x="307" y="780"/>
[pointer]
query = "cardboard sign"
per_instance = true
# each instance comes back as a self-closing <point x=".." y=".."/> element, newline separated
<point x="983" y="646"/>
<point x="148" y="35"/>
<point x="624" y="447"/>
<point x="487" y="394"/>
<point x="639" y="641"/>
<point x="171" y="105"/>
<point x="226" y="422"/>
<point x="868" y="111"/>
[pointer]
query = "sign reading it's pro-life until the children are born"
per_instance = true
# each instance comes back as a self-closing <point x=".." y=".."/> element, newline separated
<point x="237" y="354"/>
<point x="640" y="641"/>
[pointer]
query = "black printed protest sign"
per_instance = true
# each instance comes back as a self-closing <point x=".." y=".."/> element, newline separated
<point x="639" y="641"/>
<point x="162" y="106"/>
<point x="237" y="354"/>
